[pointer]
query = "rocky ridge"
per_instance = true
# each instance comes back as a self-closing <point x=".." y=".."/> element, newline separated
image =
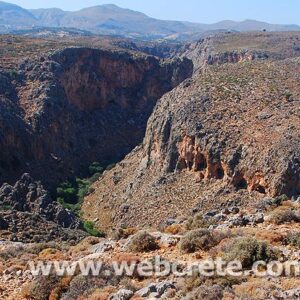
<point x="239" y="47"/>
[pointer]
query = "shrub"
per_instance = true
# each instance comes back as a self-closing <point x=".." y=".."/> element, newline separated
<point x="281" y="199"/>
<point x="270" y="236"/>
<point x="214" y="292"/>
<point x="72" y="207"/>
<point x="84" y="244"/>
<point x="48" y="253"/>
<point x="38" y="248"/>
<point x="271" y="203"/>
<point x="5" y="207"/>
<point x="174" y="229"/>
<point x="62" y="287"/>
<point x="287" y="95"/>
<point x="248" y="250"/>
<point x="71" y="194"/>
<point x="12" y="252"/>
<point x="41" y="288"/>
<point x="14" y="74"/>
<point x="81" y="287"/>
<point x="95" y="168"/>
<point x="294" y="239"/>
<point x="195" y="240"/>
<point x="67" y="193"/>
<point x="82" y="189"/>
<point x="90" y="229"/>
<point x="283" y="215"/>
<point x="198" y="222"/>
<point x="142" y="242"/>
<point x="110" y="167"/>
<point x="124" y="233"/>
<point x="95" y="177"/>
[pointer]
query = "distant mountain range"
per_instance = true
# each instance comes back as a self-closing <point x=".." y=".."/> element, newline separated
<point x="112" y="20"/>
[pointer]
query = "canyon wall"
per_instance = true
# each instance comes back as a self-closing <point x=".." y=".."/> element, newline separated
<point x="228" y="135"/>
<point x="78" y="105"/>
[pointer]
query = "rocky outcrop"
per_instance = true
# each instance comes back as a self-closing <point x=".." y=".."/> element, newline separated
<point x="217" y="137"/>
<point x="78" y="105"/>
<point x="236" y="48"/>
<point x="27" y="210"/>
<point x="217" y="131"/>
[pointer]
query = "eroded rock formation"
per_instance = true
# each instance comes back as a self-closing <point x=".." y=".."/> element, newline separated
<point x="28" y="213"/>
<point x="218" y="136"/>
<point x="77" y="106"/>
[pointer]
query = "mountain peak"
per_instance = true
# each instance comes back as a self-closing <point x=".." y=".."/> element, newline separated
<point x="110" y="19"/>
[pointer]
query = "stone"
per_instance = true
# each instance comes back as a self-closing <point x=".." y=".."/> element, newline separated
<point x="234" y="210"/>
<point x="170" y="222"/>
<point x="210" y="214"/>
<point x="146" y="291"/>
<point x="166" y="240"/>
<point x="259" y="218"/>
<point x="122" y="294"/>
<point x="103" y="246"/>
<point x="220" y="217"/>
<point x="163" y="286"/>
<point x="225" y="211"/>
<point x="153" y="296"/>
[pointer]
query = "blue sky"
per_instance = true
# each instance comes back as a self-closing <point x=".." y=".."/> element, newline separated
<point x="205" y="11"/>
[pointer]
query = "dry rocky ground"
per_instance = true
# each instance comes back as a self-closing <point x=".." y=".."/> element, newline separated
<point x="216" y="175"/>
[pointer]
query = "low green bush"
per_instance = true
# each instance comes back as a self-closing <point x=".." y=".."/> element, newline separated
<point x="90" y="229"/>
<point x="198" y="239"/>
<point x="142" y="242"/>
<point x="248" y="250"/>
<point x="294" y="239"/>
<point x="283" y="215"/>
<point x="95" y="168"/>
<point x="198" y="221"/>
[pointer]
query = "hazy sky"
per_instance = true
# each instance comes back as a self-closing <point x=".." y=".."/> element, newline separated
<point x="206" y="11"/>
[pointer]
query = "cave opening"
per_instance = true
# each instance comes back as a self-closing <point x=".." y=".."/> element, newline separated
<point x="220" y="173"/>
<point x="201" y="165"/>
<point x="190" y="165"/>
<point x="259" y="188"/>
<point x="241" y="184"/>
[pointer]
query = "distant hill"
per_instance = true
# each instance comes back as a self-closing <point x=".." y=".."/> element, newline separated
<point x="112" y="20"/>
<point x="49" y="17"/>
<point x="252" y="25"/>
<point x="15" y="16"/>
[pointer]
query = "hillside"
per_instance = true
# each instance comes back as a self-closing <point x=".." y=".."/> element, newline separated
<point x="120" y="151"/>
<point x="216" y="137"/>
<point x="15" y="16"/>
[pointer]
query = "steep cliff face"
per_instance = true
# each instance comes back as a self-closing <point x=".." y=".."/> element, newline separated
<point x="231" y="133"/>
<point x="77" y="106"/>
<point x="235" y="48"/>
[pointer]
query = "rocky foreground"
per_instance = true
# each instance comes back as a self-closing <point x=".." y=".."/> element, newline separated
<point x="270" y="233"/>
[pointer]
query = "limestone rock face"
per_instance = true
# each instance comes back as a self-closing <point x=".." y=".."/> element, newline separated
<point x="76" y="106"/>
<point x="215" y="129"/>
<point x="229" y="134"/>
